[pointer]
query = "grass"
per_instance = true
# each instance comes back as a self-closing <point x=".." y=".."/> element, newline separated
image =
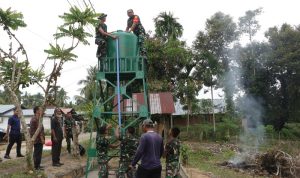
<point x="12" y="163"/>
<point x="207" y="161"/>
<point x="24" y="175"/>
<point x="21" y="161"/>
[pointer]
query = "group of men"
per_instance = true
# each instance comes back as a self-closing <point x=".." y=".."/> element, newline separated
<point x="148" y="149"/>
<point x="133" y="25"/>
<point x="60" y="128"/>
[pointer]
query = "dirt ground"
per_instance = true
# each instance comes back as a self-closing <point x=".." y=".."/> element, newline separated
<point x="70" y="164"/>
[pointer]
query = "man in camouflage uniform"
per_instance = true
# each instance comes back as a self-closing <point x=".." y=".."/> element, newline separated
<point x="102" y="36"/>
<point x="134" y="25"/>
<point x="69" y="123"/>
<point x="129" y="146"/>
<point x="172" y="153"/>
<point x="102" y="146"/>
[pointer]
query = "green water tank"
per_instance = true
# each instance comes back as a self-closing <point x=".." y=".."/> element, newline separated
<point x="127" y="45"/>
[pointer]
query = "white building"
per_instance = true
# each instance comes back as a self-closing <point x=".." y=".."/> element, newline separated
<point x="6" y="111"/>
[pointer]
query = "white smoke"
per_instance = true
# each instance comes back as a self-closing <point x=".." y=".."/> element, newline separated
<point x="250" y="111"/>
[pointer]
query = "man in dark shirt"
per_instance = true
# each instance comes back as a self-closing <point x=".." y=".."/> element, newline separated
<point x="56" y="137"/>
<point x="14" y="133"/>
<point x="40" y="139"/>
<point x="150" y="150"/>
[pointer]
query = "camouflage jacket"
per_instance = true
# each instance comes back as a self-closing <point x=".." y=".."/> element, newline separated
<point x="69" y="124"/>
<point x="172" y="150"/>
<point x="129" y="144"/>
<point x="139" y="29"/>
<point x="104" y="28"/>
<point x="102" y="144"/>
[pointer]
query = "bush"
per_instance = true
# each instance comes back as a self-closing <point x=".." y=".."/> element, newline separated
<point x="185" y="151"/>
<point x="291" y="131"/>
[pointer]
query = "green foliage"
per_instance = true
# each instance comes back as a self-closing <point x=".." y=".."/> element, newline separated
<point x="28" y="77"/>
<point x="72" y="32"/>
<point x="290" y="131"/>
<point x="167" y="27"/>
<point x="76" y="16"/>
<point x="248" y="23"/>
<point x="212" y="51"/>
<point x="11" y="19"/>
<point x="227" y="128"/>
<point x="270" y="131"/>
<point x="57" y="52"/>
<point x="202" y="154"/>
<point x="185" y="152"/>
<point x="89" y="85"/>
<point x="61" y="98"/>
<point x="29" y="101"/>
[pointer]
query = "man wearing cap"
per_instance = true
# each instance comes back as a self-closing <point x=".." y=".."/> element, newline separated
<point x="150" y="150"/>
<point x="102" y="36"/>
<point x="134" y="25"/>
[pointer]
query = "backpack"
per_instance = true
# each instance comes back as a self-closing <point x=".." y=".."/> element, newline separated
<point x="81" y="150"/>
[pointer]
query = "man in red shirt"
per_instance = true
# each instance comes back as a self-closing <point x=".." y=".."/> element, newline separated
<point x="40" y="139"/>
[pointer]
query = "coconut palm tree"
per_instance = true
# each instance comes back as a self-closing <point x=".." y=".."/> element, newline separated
<point x="61" y="98"/>
<point x="89" y="83"/>
<point x="167" y="27"/>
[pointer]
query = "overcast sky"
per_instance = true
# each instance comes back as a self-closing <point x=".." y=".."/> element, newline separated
<point x="41" y="17"/>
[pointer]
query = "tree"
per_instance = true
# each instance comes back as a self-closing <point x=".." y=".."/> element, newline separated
<point x="89" y="84"/>
<point x="248" y="23"/>
<point x="29" y="101"/>
<point x="167" y="27"/>
<point x="249" y="26"/>
<point x="61" y="98"/>
<point x="74" y="28"/>
<point x="212" y="48"/>
<point x="284" y="65"/>
<point x="171" y="63"/>
<point x="15" y="70"/>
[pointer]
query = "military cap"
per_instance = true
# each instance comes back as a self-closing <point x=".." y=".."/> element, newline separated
<point x="102" y="16"/>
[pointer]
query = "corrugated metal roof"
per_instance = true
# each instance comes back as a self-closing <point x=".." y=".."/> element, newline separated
<point x="160" y="103"/>
<point x="6" y="108"/>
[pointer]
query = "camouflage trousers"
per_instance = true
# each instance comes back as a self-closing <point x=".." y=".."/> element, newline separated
<point x="103" y="169"/>
<point x="141" y="43"/>
<point x="68" y="140"/>
<point x="124" y="168"/>
<point x="102" y="47"/>
<point x="172" y="170"/>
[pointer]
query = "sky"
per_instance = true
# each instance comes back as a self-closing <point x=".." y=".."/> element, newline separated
<point x="41" y="17"/>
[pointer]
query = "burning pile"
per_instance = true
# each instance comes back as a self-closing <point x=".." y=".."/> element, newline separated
<point x="274" y="162"/>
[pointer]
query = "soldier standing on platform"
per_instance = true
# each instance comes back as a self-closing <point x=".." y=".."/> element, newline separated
<point x="68" y="125"/>
<point x="172" y="153"/>
<point x="102" y="36"/>
<point x="134" y="25"/>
